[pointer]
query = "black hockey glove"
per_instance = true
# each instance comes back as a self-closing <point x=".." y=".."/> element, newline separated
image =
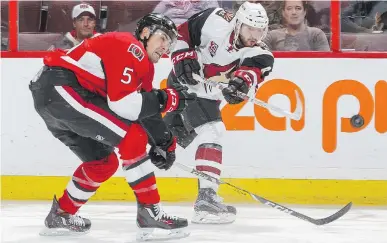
<point x="185" y="62"/>
<point x="174" y="99"/>
<point x="230" y="93"/>
<point x="168" y="150"/>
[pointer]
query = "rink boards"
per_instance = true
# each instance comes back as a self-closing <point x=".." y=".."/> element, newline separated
<point x="321" y="159"/>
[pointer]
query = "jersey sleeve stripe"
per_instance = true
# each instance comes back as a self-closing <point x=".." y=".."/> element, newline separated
<point x="129" y="107"/>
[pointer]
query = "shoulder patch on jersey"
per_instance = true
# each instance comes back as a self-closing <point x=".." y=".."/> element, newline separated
<point x="228" y="16"/>
<point x="212" y="48"/>
<point x="136" y="51"/>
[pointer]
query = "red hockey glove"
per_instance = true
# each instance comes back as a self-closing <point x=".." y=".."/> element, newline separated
<point x="243" y="79"/>
<point x="174" y="99"/>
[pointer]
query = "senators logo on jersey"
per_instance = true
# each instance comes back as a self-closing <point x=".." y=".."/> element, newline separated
<point x="228" y="16"/>
<point x="136" y="51"/>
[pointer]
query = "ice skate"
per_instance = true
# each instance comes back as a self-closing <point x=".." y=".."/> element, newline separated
<point x="155" y="224"/>
<point x="62" y="223"/>
<point x="209" y="209"/>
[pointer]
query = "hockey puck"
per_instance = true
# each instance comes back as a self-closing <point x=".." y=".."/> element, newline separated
<point x="357" y="121"/>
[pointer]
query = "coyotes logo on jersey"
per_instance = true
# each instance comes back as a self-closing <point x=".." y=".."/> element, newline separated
<point x="220" y="73"/>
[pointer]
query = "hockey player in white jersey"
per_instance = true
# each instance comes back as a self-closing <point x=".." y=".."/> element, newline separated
<point x="219" y="46"/>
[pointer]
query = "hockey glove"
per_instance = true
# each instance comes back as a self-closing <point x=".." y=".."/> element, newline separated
<point x="230" y="93"/>
<point x="161" y="162"/>
<point x="174" y="99"/>
<point x="242" y="81"/>
<point x="185" y="62"/>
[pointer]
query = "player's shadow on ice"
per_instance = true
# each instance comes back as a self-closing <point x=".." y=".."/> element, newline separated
<point x="233" y="228"/>
<point x="212" y="234"/>
<point x="117" y="234"/>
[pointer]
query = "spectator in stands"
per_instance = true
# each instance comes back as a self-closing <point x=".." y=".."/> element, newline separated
<point x="363" y="16"/>
<point x="380" y="22"/>
<point x="84" y="22"/>
<point x="4" y="36"/>
<point x="273" y="9"/>
<point x="325" y="20"/>
<point x="180" y="10"/>
<point x="297" y="35"/>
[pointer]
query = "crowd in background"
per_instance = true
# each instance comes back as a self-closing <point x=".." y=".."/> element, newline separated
<point x="294" y="25"/>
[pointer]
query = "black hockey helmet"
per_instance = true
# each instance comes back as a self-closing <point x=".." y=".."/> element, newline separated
<point x="156" y="21"/>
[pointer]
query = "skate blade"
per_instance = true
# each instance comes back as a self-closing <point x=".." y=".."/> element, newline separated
<point x="156" y="234"/>
<point x="208" y="218"/>
<point x="60" y="232"/>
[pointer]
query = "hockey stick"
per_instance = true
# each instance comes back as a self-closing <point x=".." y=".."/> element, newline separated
<point x="296" y="115"/>
<point x="267" y="202"/>
<point x="263" y="200"/>
<point x="260" y="199"/>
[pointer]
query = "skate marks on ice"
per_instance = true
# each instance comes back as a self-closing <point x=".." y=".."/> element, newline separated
<point x="21" y="222"/>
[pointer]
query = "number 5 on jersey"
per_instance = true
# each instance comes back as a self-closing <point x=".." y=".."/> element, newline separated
<point x="127" y="75"/>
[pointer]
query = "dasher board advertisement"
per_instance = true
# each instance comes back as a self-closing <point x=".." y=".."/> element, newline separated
<point x="258" y="143"/>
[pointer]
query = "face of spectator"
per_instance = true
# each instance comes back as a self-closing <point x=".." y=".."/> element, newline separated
<point x="84" y="26"/>
<point x="325" y="19"/>
<point x="158" y="44"/>
<point x="294" y="12"/>
<point x="384" y="20"/>
<point x="250" y="36"/>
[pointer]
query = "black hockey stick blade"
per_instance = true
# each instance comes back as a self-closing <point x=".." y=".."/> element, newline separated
<point x="322" y="221"/>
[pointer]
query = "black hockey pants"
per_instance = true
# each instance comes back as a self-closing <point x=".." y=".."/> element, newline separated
<point x="77" y="117"/>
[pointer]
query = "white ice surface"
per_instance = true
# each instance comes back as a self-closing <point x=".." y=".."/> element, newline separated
<point x="115" y="222"/>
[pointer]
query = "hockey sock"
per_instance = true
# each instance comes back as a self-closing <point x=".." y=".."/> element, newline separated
<point x="85" y="181"/>
<point x="209" y="160"/>
<point x="138" y="171"/>
<point x="141" y="178"/>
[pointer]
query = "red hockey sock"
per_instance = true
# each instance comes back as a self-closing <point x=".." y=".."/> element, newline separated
<point x="139" y="172"/>
<point x="86" y="180"/>
<point x="146" y="190"/>
<point x="142" y="180"/>
<point x="209" y="160"/>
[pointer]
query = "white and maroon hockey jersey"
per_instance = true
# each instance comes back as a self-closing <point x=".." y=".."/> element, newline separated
<point x="211" y="33"/>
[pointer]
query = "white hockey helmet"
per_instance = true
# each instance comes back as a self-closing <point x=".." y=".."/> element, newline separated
<point x="253" y="15"/>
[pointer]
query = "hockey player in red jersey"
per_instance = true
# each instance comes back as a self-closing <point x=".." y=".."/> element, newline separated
<point x="94" y="99"/>
<point x="222" y="47"/>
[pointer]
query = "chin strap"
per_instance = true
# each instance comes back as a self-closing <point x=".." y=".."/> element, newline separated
<point x="145" y="41"/>
<point x="239" y="43"/>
